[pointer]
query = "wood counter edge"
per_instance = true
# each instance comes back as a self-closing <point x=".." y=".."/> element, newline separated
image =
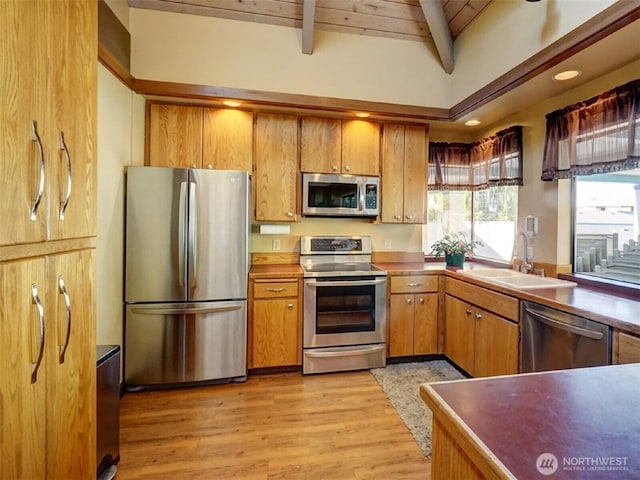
<point x="471" y="445"/>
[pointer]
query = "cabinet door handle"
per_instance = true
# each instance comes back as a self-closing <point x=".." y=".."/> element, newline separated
<point x="409" y="217"/>
<point x="421" y="300"/>
<point x="334" y="168"/>
<point x="67" y="303"/>
<point x="290" y="214"/>
<point x="478" y="316"/>
<point x="290" y="306"/>
<point x="397" y="217"/>
<point x="415" y="284"/>
<point x="65" y="202"/>
<point x="275" y="289"/>
<point x="468" y="312"/>
<point x="36" y="300"/>
<point x="193" y="165"/>
<point x="347" y="168"/>
<point x="209" y="166"/>
<point x="33" y="213"/>
<point x="408" y="301"/>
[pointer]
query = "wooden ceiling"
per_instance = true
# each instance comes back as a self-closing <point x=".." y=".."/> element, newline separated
<point x="400" y="19"/>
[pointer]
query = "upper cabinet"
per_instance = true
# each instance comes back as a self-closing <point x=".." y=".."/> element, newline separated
<point x="175" y="136"/>
<point x="276" y="167"/>
<point x="320" y="145"/>
<point x="197" y="137"/>
<point x="227" y="142"/>
<point x="404" y="174"/>
<point x="47" y="163"/>
<point x="339" y="147"/>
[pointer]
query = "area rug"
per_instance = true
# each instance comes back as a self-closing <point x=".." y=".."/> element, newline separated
<point x="400" y="383"/>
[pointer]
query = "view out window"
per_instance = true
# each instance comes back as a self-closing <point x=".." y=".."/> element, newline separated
<point x="488" y="215"/>
<point x="606" y="226"/>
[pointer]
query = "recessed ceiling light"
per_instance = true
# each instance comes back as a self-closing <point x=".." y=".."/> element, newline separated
<point x="472" y="123"/>
<point x="567" y="75"/>
<point x="231" y="103"/>
<point x="363" y="114"/>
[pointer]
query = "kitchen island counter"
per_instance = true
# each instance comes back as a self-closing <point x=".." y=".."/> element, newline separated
<point x="580" y="424"/>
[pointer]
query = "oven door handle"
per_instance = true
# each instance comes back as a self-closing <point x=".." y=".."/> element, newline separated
<point x="344" y="353"/>
<point x="345" y="283"/>
<point x="565" y="326"/>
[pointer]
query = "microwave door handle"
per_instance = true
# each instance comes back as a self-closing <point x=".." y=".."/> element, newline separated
<point x="361" y="189"/>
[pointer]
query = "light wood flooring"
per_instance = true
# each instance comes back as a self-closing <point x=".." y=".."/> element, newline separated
<point x="276" y="426"/>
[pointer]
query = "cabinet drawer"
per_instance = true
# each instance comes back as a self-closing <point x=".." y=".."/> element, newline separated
<point x="275" y="289"/>
<point x="414" y="283"/>
<point x="489" y="300"/>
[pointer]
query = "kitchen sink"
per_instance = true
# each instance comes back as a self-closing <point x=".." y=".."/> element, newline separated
<point x="515" y="279"/>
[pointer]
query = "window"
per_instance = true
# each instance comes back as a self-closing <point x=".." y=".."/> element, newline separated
<point x="488" y="215"/>
<point x="606" y="226"/>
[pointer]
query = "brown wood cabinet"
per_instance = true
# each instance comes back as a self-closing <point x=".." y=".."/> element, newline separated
<point x="175" y="136"/>
<point x="183" y="136"/>
<point x="335" y="146"/>
<point x="360" y="147"/>
<point x="48" y="81"/>
<point x="404" y="174"/>
<point x="275" y="323"/>
<point x="413" y="315"/>
<point x="276" y="168"/>
<point x="227" y="142"/>
<point x="481" y="342"/>
<point x="626" y="348"/>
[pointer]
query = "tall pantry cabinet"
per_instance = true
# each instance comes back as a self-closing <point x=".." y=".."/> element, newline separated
<point x="48" y="70"/>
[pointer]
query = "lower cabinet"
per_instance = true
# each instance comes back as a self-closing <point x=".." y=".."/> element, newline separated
<point x="275" y="333"/>
<point x="413" y="315"/>
<point x="47" y="373"/>
<point x="479" y="341"/>
<point x="626" y="348"/>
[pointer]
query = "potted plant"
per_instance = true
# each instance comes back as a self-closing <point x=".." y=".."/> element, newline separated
<point x="454" y="247"/>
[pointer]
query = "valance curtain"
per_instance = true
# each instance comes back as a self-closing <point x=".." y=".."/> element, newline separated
<point x="492" y="161"/>
<point x="599" y="135"/>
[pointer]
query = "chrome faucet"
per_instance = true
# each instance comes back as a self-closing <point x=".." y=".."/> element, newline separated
<point x="525" y="266"/>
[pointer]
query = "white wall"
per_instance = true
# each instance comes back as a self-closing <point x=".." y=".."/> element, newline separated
<point x="551" y="201"/>
<point x="120" y="143"/>
<point x="507" y="32"/>
<point x="229" y="53"/>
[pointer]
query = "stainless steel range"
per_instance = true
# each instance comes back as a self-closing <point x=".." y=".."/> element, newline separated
<point x="345" y="314"/>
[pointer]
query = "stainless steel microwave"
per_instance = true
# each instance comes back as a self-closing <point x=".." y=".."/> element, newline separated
<point x="340" y="195"/>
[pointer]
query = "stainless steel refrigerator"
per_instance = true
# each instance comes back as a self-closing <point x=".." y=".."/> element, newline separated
<point x="186" y="266"/>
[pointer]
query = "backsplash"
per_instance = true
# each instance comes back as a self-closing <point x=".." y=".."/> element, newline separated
<point x="387" y="237"/>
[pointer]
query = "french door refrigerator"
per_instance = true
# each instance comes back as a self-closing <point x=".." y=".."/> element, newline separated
<point x="186" y="266"/>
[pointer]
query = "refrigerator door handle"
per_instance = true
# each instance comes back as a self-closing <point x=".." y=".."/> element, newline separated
<point x="181" y="224"/>
<point x="193" y="235"/>
<point x="184" y="310"/>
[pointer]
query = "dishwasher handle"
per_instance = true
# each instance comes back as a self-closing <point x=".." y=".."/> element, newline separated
<point x="565" y="326"/>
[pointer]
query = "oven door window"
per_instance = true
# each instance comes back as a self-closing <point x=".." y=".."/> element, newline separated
<point x="345" y="309"/>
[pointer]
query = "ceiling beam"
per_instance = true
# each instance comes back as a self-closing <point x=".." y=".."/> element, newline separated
<point x="308" y="21"/>
<point x="434" y="15"/>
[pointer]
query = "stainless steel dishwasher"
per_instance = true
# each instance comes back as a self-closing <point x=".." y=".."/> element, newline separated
<point x="555" y="340"/>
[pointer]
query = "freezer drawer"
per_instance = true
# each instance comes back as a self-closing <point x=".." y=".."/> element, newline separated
<point x="172" y="344"/>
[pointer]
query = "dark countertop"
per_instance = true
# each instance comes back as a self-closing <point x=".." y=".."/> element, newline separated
<point x="572" y="414"/>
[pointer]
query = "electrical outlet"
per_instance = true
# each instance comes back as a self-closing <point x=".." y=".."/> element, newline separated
<point x="275" y="244"/>
<point x="387" y="244"/>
